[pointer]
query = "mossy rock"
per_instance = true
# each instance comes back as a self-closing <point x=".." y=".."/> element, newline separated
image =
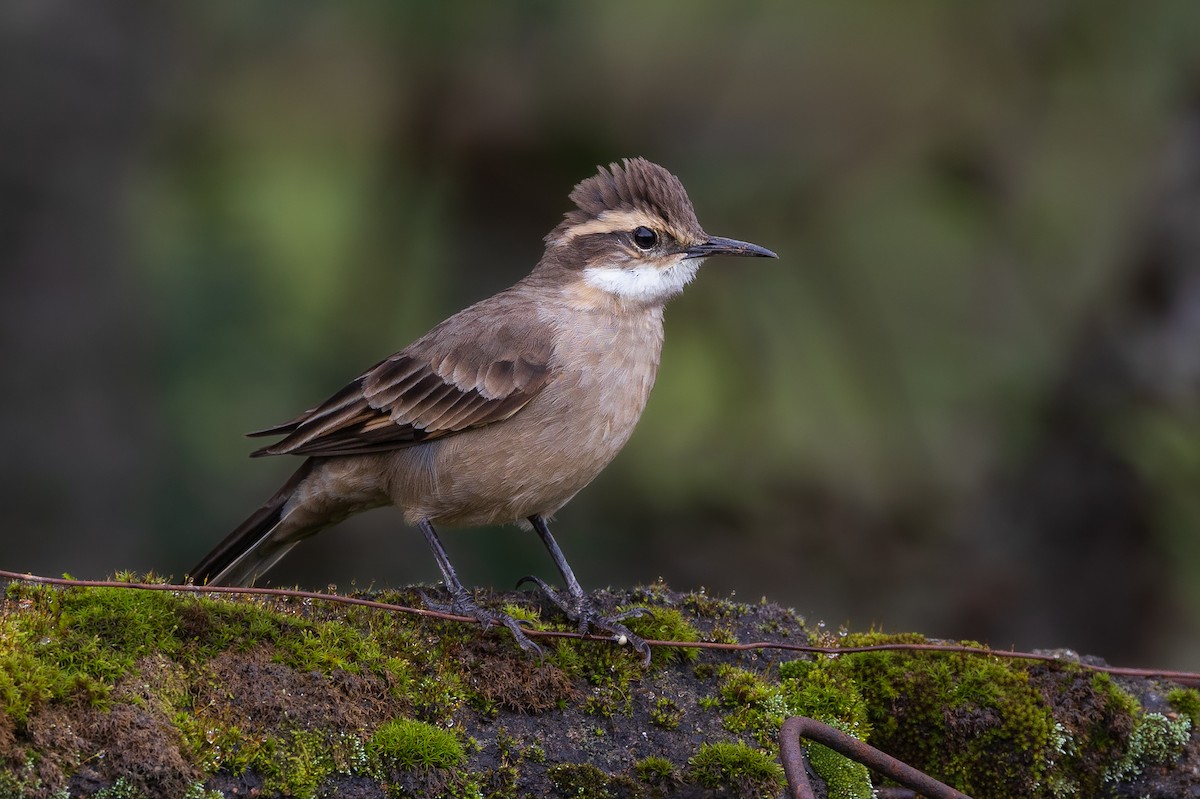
<point x="120" y="693"/>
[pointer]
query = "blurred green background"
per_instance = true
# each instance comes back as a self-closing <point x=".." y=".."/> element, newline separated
<point x="966" y="399"/>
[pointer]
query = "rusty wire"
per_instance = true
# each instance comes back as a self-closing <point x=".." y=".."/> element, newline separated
<point x="1185" y="677"/>
<point x="795" y="766"/>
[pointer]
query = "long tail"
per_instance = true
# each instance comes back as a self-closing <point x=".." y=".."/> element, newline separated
<point x="250" y="550"/>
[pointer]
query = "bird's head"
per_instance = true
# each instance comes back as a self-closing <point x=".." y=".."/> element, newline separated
<point x="634" y="235"/>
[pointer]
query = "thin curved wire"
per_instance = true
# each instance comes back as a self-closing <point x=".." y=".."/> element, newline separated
<point x="1185" y="677"/>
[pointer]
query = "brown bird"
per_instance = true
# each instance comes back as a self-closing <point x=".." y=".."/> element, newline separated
<point x="507" y="409"/>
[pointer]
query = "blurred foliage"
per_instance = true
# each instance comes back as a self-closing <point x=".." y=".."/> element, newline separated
<point x="291" y="191"/>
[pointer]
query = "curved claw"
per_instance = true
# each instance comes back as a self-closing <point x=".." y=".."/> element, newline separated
<point x="643" y="649"/>
<point x="632" y="613"/>
<point x="580" y="610"/>
<point x="463" y="605"/>
<point x="551" y="594"/>
<point x="514" y="627"/>
<point x="622" y="636"/>
<point x="540" y="583"/>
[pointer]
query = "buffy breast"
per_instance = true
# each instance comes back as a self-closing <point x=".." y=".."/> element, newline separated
<point x="541" y="457"/>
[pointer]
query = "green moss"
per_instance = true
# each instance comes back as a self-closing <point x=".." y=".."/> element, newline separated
<point x="975" y="722"/>
<point x="816" y="689"/>
<point x="526" y="614"/>
<point x="82" y="641"/>
<point x="77" y="642"/>
<point x="580" y="781"/>
<point x="534" y="753"/>
<point x="432" y="761"/>
<point x="1113" y="697"/>
<point x="61" y="645"/>
<point x="740" y="687"/>
<point x="408" y="744"/>
<point x="657" y="771"/>
<point x="326" y="647"/>
<point x="823" y="690"/>
<point x="721" y="634"/>
<point x="988" y="725"/>
<point x="991" y="726"/>
<point x="707" y="606"/>
<point x="501" y="780"/>
<point x="736" y="768"/>
<point x="666" y="714"/>
<point x="608" y="670"/>
<point x="754" y="706"/>
<point x="293" y="762"/>
<point x="1186" y="702"/>
<point x="666" y="624"/>
<point x="757" y="707"/>
<point x="844" y="778"/>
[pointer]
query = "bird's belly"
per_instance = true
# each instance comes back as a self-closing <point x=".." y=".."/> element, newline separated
<point x="531" y="463"/>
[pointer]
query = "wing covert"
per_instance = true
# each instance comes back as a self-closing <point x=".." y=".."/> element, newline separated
<point x="459" y="376"/>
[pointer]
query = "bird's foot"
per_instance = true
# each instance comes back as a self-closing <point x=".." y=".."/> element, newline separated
<point x="581" y="610"/>
<point x="461" y="604"/>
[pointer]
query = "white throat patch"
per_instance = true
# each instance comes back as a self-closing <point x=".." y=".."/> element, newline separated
<point x="643" y="283"/>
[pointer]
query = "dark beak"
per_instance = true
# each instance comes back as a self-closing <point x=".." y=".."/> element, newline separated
<point x="719" y="246"/>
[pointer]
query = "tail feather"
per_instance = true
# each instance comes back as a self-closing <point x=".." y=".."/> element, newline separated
<point x="250" y="550"/>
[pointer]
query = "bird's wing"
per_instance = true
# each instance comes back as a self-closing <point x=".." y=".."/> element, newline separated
<point x="479" y="366"/>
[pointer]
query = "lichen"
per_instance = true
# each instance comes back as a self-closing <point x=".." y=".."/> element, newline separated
<point x="1155" y="739"/>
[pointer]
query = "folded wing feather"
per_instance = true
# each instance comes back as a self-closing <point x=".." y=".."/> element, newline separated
<point x="479" y="369"/>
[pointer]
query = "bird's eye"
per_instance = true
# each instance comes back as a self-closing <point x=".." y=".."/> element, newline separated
<point x="644" y="237"/>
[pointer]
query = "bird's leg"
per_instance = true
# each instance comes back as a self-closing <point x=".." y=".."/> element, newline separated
<point x="577" y="605"/>
<point x="461" y="602"/>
